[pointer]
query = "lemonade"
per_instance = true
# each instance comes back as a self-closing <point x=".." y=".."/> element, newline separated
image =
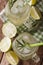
<point x="19" y="12"/>
<point x="20" y="46"/>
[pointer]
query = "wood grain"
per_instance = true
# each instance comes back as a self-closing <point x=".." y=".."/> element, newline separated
<point x="4" y="60"/>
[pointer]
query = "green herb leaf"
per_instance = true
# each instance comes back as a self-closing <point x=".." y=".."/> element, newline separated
<point x="11" y="2"/>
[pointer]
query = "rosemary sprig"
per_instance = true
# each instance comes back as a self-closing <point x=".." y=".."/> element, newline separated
<point x="19" y="42"/>
<point x="11" y="2"/>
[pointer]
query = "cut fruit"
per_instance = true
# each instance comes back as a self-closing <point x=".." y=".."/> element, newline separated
<point x="12" y="58"/>
<point x="32" y="2"/>
<point x="9" y="30"/>
<point x="35" y="13"/>
<point x="5" y="44"/>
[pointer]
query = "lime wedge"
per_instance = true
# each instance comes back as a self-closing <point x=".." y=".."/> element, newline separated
<point x="9" y="30"/>
<point x="12" y="58"/>
<point x="32" y="2"/>
<point x="5" y="44"/>
<point x="35" y="13"/>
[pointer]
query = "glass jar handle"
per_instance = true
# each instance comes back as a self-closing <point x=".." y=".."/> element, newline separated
<point x="35" y="58"/>
<point x="2" y="15"/>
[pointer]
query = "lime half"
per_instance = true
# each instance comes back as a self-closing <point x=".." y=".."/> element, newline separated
<point x="35" y="13"/>
<point x="5" y="44"/>
<point x="9" y="30"/>
<point x="12" y="58"/>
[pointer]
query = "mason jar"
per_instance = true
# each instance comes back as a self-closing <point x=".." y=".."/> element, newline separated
<point x="19" y="12"/>
<point x="21" y="47"/>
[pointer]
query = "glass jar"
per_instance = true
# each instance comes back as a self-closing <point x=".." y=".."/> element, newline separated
<point x="23" y="50"/>
<point x="18" y="12"/>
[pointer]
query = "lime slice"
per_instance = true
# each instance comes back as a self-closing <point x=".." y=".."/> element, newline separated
<point x="5" y="44"/>
<point x="9" y="30"/>
<point x="35" y="13"/>
<point x="12" y="58"/>
<point x="32" y="2"/>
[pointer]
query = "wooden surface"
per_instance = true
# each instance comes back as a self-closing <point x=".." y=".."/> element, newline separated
<point x="3" y="60"/>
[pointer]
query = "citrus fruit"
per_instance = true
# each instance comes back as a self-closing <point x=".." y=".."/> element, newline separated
<point x="9" y="30"/>
<point x="35" y="13"/>
<point x="12" y="58"/>
<point x="5" y="44"/>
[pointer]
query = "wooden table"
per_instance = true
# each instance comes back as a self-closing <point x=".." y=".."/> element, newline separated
<point x="3" y="60"/>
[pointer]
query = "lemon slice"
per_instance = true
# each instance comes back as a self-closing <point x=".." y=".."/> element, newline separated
<point x="32" y="2"/>
<point x="12" y="58"/>
<point x="35" y="13"/>
<point x="5" y="44"/>
<point x="9" y="30"/>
